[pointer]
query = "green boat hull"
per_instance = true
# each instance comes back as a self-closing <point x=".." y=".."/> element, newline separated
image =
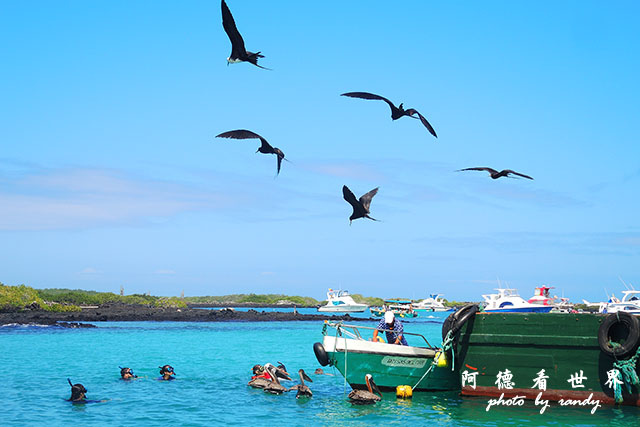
<point x="564" y="345"/>
<point x="390" y="369"/>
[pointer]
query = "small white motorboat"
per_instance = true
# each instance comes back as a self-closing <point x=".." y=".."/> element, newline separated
<point x="341" y="302"/>
<point x="433" y="303"/>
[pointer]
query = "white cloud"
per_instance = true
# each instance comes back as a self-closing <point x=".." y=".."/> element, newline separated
<point x="78" y="198"/>
<point x="89" y="270"/>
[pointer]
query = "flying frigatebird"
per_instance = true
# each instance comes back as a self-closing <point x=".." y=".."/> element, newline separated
<point x="238" y="51"/>
<point x="265" y="147"/>
<point x="396" y="112"/>
<point x="361" y="206"/>
<point x="495" y="174"/>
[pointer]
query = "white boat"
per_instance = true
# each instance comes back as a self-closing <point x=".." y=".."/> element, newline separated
<point x="508" y="301"/>
<point x="341" y="302"/>
<point x="541" y="296"/>
<point x="630" y="303"/>
<point x="433" y="303"/>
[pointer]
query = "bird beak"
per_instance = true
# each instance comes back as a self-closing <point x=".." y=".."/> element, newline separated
<point x="306" y="377"/>
<point x="375" y="387"/>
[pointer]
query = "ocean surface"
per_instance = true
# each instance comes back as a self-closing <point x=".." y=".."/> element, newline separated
<point x="213" y="364"/>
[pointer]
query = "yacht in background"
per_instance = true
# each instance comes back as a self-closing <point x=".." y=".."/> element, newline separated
<point x="433" y="303"/>
<point x="341" y="302"/>
<point x="508" y="301"/>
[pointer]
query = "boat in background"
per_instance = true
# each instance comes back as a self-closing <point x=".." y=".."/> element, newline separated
<point x="401" y="308"/>
<point x="390" y="365"/>
<point x="341" y="302"/>
<point x="541" y="296"/>
<point x="629" y="303"/>
<point x="433" y="303"/>
<point x="508" y="301"/>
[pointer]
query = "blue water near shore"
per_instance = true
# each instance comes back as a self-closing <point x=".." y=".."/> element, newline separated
<point x="213" y="363"/>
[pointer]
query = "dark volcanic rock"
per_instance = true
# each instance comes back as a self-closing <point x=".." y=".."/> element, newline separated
<point x="124" y="313"/>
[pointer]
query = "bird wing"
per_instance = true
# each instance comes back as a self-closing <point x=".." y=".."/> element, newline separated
<point x="412" y="111"/>
<point x="509" y="171"/>
<point x="239" y="134"/>
<point x="367" y="95"/>
<point x="350" y="197"/>
<point x="366" y="198"/>
<point x="480" y="169"/>
<point x="237" y="43"/>
<point x="278" y="152"/>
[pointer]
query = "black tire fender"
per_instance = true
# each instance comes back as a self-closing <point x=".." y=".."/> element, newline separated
<point x="456" y="320"/>
<point x="321" y="354"/>
<point x="624" y="330"/>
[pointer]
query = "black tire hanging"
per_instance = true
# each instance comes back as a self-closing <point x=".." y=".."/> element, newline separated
<point x="321" y="354"/>
<point x="623" y="331"/>
<point x="456" y="320"/>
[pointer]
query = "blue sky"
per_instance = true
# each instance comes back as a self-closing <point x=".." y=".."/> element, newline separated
<point x="110" y="173"/>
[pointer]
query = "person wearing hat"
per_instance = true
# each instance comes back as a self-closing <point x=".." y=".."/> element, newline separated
<point x="393" y="329"/>
<point x="167" y="373"/>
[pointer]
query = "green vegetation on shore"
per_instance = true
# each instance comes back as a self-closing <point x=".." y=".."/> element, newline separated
<point x="23" y="297"/>
<point x="370" y="301"/>
<point x="80" y="297"/>
<point x="268" y="299"/>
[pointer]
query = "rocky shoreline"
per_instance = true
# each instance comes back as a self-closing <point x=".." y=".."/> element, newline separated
<point x="135" y="313"/>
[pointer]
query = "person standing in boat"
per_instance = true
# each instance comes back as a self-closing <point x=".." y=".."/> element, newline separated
<point x="393" y="329"/>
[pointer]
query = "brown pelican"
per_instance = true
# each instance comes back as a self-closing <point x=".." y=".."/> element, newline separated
<point x="265" y="147"/>
<point x="238" y="51"/>
<point x="396" y="112"/>
<point x="360" y="207"/>
<point x="366" y="397"/>
<point x="281" y="371"/>
<point x="274" y="386"/>
<point x="303" y="390"/>
<point x="495" y="174"/>
<point x="259" y="383"/>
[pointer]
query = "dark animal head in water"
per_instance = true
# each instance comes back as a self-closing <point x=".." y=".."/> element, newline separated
<point x="77" y="391"/>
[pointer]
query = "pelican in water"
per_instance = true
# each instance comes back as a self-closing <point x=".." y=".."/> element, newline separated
<point x="303" y="390"/>
<point x="274" y="386"/>
<point x="282" y="372"/>
<point x="366" y="397"/>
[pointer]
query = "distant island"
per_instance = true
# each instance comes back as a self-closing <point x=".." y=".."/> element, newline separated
<point x="65" y="307"/>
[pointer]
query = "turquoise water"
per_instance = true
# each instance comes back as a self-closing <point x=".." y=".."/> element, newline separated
<point x="213" y="363"/>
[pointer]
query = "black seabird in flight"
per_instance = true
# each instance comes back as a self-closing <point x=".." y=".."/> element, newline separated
<point x="361" y="206"/>
<point x="238" y="51"/>
<point x="495" y="174"/>
<point x="396" y="112"/>
<point x="265" y="147"/>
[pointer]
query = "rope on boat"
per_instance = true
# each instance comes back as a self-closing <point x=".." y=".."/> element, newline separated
<point x="626" y="374"/>
<point x="447" y="344"/>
